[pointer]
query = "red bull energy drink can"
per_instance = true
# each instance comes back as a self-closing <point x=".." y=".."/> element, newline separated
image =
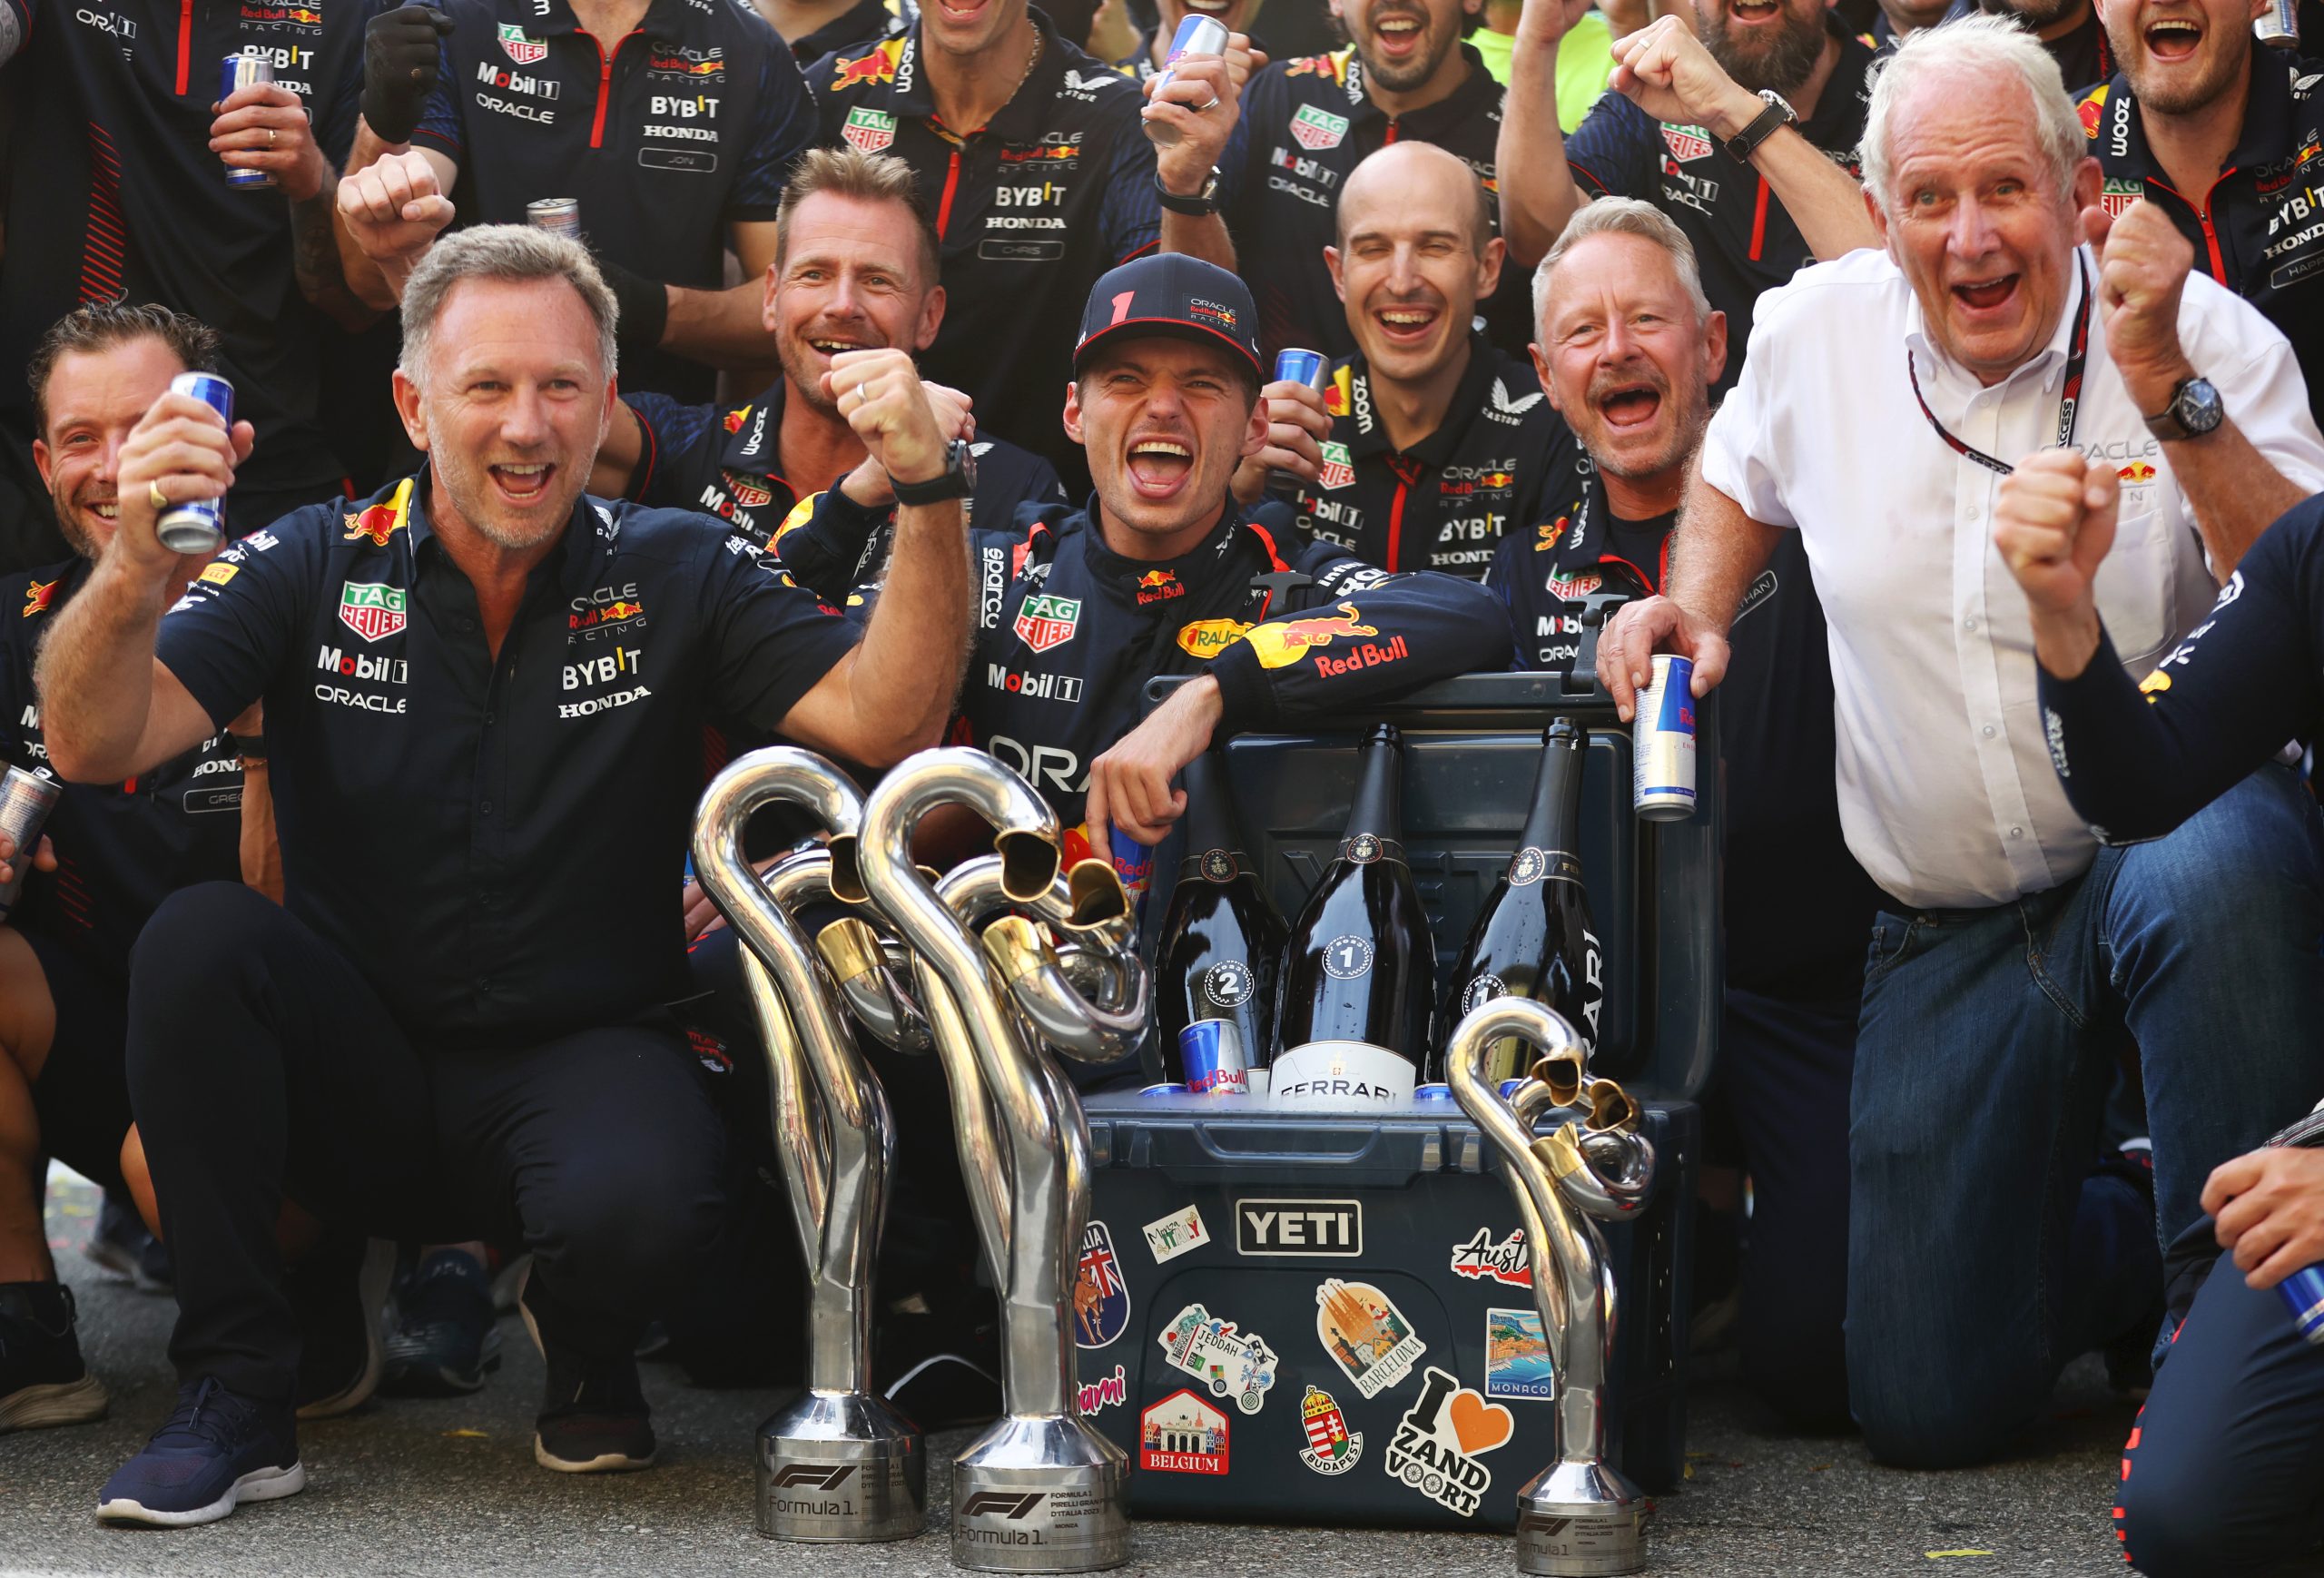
<point x="1133" y="863"/>
<point x="198" y="525"/>
<point x="1166" y="1088"/>
<point x="561" y="214"/>
<point x="1293" y="365"/>
<point x="2303" y="1294"/>
<point x="236" y="71"/>
<point x="1211" y="1052"/>
<point x="1662" y="743"/>
<point x="1197" y="35"/>
<point x="26" y="800"/>
<point x="2279" y="25"/>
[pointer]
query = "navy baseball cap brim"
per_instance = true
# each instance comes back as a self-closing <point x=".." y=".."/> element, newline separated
<point x="1173" y="294"/>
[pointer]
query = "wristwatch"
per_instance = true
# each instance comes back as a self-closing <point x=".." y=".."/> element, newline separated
<point x="1201" y="205"/>
<point x="2194" y="411"/>
<point x="959" y="480"/>
<point x="249" y="747"/>
<point x="1778" y="113"/>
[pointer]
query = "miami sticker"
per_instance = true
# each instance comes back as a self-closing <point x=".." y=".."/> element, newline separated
<point x="1367" y="1335"/>
<point x="1101" y="1295"/>
<point x="1440" y="1442"/>
<point x="1230" y="1362"/>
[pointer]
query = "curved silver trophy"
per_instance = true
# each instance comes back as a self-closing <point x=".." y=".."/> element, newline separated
<point x="1579" y="1517"/>
<point x="1040" y="1491"/>
<point x="839" y="1465"/>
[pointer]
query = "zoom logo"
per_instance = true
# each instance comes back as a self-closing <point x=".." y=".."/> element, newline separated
<point x="813" y="1476"/>
<point x="1001" y="1504"/>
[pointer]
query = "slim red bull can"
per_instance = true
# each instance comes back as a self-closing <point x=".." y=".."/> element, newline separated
<point x="560" y="214"/>
<point x="26" y="800"/>
<point x="1197" y="35"/>
<point x="1133" y="863"/>
<point x="1662" y="743"/>
<point x="2303" y="1292"/>
<point x="1293" y="365"/>
<point x="198" y="525"/>
<point x="1211" y="1052"/>
<point x="242" y="71"/>
<point x="2279" y="25"/>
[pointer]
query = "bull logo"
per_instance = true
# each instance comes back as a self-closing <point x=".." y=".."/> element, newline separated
<point x="1281" y="642"/>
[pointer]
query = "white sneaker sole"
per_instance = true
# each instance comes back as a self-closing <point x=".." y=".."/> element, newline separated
<point x="53" y="1403"/>
<point x="605" y="1462"/>
<point x="260" y="1484"/>
<point x="372" y="1291"/>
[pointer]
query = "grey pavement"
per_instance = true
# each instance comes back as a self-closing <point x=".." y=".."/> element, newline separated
<point x="413" y="1489"/>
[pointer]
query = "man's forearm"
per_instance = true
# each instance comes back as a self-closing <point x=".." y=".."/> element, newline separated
<point x="319" y="265"/>
<point x="1204" y="237"/>
<point x="1538" y="195"/>
<point x="2235" y="492"/>
<point x="95" y="676"/>
<point x="722" y="328"/>
<point x="261" y="855"/>
<point x="1717" y="553"/>
<point x="903" y="682"/>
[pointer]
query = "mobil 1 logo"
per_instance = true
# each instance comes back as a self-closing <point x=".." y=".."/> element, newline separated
<point x="1330" y="1229"/>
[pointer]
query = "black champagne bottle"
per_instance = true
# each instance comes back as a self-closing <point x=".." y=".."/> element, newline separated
<point x="1221" y="945"/>
<point x="1359" y="975"/>
<point x="1533" y="937"/>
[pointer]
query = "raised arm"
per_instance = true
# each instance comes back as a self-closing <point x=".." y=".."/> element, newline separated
<point x="109" y="708"/>
<point x="1538" y="194"/>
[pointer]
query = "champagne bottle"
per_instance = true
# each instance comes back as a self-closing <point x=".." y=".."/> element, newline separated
<point x="1359" y="976"/>
<point x="1533" y="938"/>
<point x="1220" y="946"/>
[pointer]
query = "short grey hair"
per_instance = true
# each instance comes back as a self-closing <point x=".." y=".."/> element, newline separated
<point x="514" y="252"/>
<point x="1979" y="50"/>
<point x="1621" y="216"/>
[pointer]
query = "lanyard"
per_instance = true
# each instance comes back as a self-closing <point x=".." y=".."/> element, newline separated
<point x="2069" y="398"/>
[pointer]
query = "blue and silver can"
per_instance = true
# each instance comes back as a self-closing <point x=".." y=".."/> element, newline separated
<point x="1196" y="35"/>
<point x="198" y="525"/>
<point x="1293" y="365"/>
<point x="1662" y="743"/>
<point x="2303" y="1291"/>
<point x="1165" y="1088"/>
<point x="242" y="71"/>
<point x="1211" y="1052"/>
<point x="1510" y="1088"/>
<point x="1436" y="1092"/>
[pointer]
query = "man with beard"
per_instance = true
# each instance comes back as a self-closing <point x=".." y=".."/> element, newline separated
<point x="1746" y="137"/>
<point x="1439" y="442"/>
<point x="2221" y="134"/>
<point x="1628" y="348"/>
<point x="109" y="855"/>
<point x="486" y="695"/>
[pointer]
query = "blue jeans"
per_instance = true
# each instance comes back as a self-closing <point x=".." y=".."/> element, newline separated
<point x="1977" y="1265"/>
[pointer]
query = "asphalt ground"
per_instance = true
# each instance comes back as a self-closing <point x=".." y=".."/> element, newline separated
<point x="418" y="1488"/>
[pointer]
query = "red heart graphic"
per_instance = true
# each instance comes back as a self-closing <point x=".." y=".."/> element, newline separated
<point x="1477" y="1425"/>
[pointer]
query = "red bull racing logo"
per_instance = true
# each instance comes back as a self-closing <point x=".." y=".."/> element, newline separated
<point x="381" y="521"/>
<point x="733" y="419"/>
<point x="871" y="70"/>
<point x="2136" y="472"/>
<point x="1159" y="586"/>
<point x="36" y="598"/>
<point x="1280" y="643"/>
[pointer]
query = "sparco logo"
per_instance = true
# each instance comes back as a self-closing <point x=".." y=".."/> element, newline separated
<point x="815" y="1475"/>
<point x="1308" y="1227"/>
<point x="1002" y="1504"/>
<point x="995" y="580"/>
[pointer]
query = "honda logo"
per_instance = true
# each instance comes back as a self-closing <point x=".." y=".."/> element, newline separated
<point x="1001" y="1504"/>
<point x="815" y="1475"/>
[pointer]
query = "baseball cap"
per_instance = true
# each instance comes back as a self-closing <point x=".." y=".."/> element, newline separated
<point x="1170" y="294"/>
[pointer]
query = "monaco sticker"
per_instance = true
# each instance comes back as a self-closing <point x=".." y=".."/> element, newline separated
<point x="1517" y="1357"/>
<point x="1230" y="1362"/>
<point x="1483" y="1260"/>
<point x="1101" y="1295"/>
<point x="1175" y="1235"/>
<point x="1331" y="1449"/>
<point x="1182" y="1435"/>
<point x="1367" y="1335"/>
<point x="1439" y="1441"/>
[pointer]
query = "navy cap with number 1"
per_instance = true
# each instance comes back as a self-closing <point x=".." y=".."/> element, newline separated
<point x="1170" y="294"/>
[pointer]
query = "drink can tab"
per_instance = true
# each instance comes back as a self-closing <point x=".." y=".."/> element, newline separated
<point x="198" y="525"/>
<point x="1211" y="1052"/>
<point x="236" y="72"/>
<point x="1196" y="35"/>
<point x="2303" y="1295"/>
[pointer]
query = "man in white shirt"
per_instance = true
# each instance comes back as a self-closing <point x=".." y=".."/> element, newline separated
<point x="1884" y="399"/>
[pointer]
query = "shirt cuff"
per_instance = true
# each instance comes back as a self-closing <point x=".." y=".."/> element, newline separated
<point x="1245" y="700"/>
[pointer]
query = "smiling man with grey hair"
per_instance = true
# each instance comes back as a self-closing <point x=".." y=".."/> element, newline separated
<point x="486" y="695"/>
<point x="1886" y="397"/>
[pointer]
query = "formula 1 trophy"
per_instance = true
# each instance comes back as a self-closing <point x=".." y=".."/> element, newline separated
<point x="1578" y="1518"/>
<point x="839" y="1465"/>
<point x="1038" y="1492"/>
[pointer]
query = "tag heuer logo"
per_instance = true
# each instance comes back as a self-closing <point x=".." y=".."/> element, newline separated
<point x="1317" y="130"/>
<point x="2119" y="194"/>
<point x="372" y="611"/>
<point x="869" y="130"/>
<point x="1338" y="472"/>
<point x="517" y="47"/>
<point x="1046" y="621"/>
<point x="1685" y="143"/>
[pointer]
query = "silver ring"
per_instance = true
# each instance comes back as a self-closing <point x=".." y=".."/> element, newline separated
<point x="1212" y="105"/>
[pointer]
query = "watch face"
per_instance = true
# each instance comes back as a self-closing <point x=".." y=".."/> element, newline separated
<point x="2198" y="407"/>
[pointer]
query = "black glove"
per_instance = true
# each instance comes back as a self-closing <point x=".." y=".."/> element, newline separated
<point x="644" y="307"/>
<point x="399" y="49"/>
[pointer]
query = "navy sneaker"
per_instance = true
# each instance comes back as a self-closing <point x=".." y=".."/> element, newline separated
<point x="42" y="1380"/>
<point x="123" y="1247"/>
<point x="218" y="1450"/>
<point x="338" y="1288"/>
<point x="444" y="1342"/>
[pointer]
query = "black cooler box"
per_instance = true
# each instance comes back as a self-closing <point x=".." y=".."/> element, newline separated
<point x="1266" y="1296"/>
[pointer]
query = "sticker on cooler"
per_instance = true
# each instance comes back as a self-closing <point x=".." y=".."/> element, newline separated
<point x="1234" y="1364"/>
<point x="1367" y="1335"/>
<point x="1483" y="1260"/>
<point x="1439" y="1441"/>
<point x="1100" y="1294"/>
<point x="1331" y="1449"/>
<point x="1175" y="1234"/>
<point x="1105" y="1392"/>
<point x="1182" y="1435"/>
<point x="1340" y="1076"/>
<point x="1517" y="1357"/>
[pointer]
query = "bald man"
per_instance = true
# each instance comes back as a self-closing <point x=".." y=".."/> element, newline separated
<point x="1439" y="441"/>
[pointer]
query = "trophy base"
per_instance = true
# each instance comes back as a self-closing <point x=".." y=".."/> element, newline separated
<point x="841" y="1468"/>
<point x="1580" y="1519"/>
<point x="1040" y="1495"/>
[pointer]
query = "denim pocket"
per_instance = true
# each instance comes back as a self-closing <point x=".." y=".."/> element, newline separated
<point x="1892" y="939"/>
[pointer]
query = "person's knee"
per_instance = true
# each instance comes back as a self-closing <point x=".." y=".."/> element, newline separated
<point x="621" y="1230"/>
<point x="2182" y="1514"/>
<point x="198" y="943"/>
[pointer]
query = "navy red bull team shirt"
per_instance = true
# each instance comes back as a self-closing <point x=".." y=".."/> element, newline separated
<point x="495" y="843"/>
<point x="667" y="137"/>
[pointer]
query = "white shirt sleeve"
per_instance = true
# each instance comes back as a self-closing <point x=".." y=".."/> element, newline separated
<point x="1742" y="454"/>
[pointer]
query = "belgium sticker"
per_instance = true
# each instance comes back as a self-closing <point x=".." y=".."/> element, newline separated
<point x="1182" y="1435"/>
<point x="1367" y="1335"/>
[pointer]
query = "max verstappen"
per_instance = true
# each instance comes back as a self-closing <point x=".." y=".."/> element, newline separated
<point x="1164" y="573"/>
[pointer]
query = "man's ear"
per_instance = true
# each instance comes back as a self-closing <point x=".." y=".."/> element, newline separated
<point x="407" y="398"/>
<point x="1254" y="431"/>
<point x="42" y="460"/>
<point x="1073" y="412"/>
<point x="932" y="319"/>
<point x="1541" y="376"/>
<point x="1332" y="267"/>
<point x="1714" y="347"/>
<point x="1488" y="267"/>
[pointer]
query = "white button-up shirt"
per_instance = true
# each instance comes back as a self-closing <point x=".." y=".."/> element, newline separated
<point x="1945" y="789"/>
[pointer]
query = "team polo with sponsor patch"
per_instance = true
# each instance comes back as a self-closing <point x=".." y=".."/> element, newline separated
<point x="2258" y="228"/>
<point x="667" y="136"/>
<point x="1307" y="123"/>
<point x="490" y="839"/>
<point x="1031" y="208"/>
<point x="1445" y="503"/>
<point x="1745" y="239"/>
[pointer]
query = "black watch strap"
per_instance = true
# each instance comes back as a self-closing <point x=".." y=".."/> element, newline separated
<point x="1764" y="125"/>
<point x="1201" y="205"/>
<point x="957" y="481"/>
<point x="249" y="747"/>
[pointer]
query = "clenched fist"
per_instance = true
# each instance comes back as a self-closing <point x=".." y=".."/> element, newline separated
<point x="880" y="395"/>
<point x="2053" y="521"/>
<point x="394" y="207"/>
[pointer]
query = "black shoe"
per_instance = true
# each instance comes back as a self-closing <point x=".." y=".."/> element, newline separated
<point x="339" y="1289"/>
<point x="43" y="1379"/>
<point x="593" y="1418"/>
<point x="444" y="1342"/>
<point x="125" y="1248"/>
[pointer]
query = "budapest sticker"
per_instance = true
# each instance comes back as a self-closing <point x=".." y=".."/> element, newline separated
<point x="1101" y="1295"/>
<point x="1438" y="1444"/>
<point x="1175" y="1234"/>
<point x="1367" y="1335"/>
<point x="1330" y="1449"/>
<point x="1483" y="1260"/>
<point x="1517" y="1357"/>
<point x="1233" y="1363"/>
<point x="1182" y="1435"/>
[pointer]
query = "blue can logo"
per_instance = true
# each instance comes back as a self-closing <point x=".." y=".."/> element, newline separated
<point x="1212" y="1052"/>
